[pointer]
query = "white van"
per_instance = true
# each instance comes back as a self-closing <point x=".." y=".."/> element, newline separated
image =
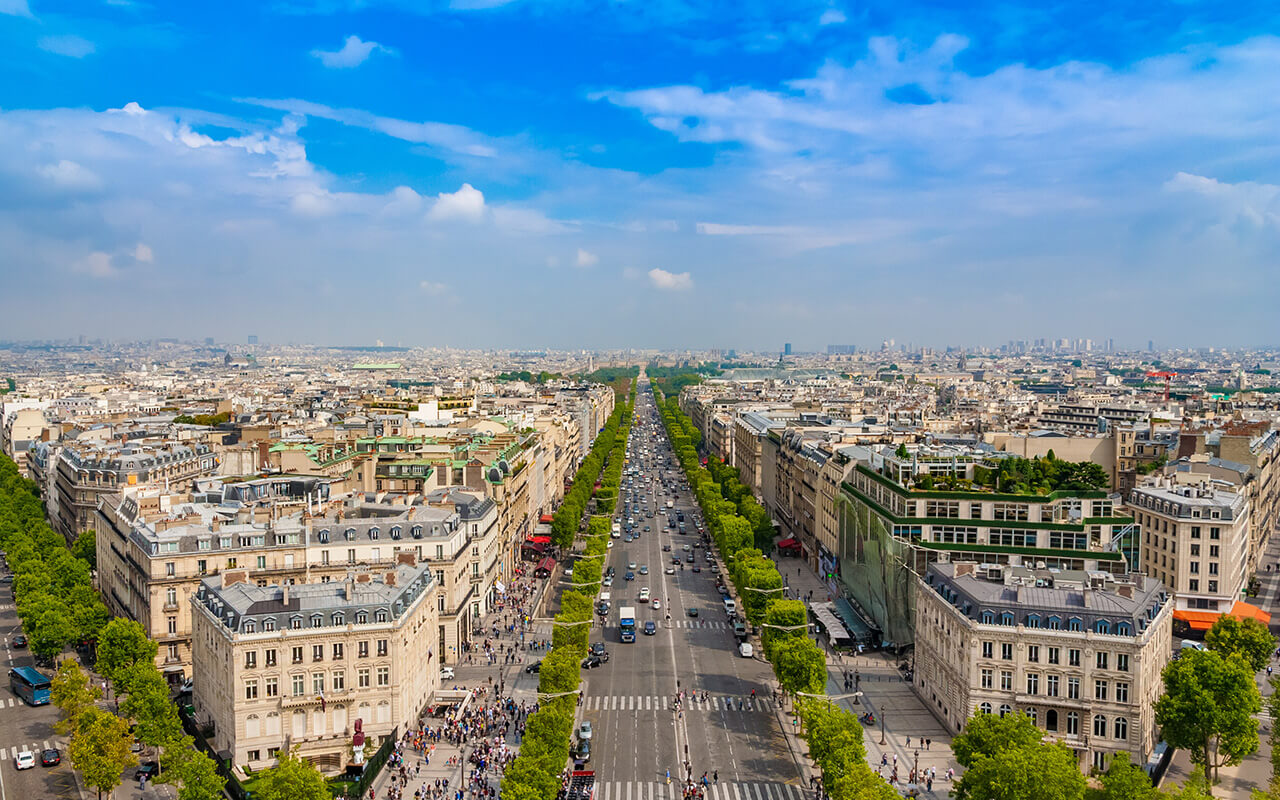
<point x="730" y="607"/>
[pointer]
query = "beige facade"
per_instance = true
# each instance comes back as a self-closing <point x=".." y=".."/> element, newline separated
<point x="1080" y="653"/>
<point x="284" y="666"/>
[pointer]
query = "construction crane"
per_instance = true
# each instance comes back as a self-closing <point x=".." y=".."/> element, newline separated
<point x="1168" y="376"/>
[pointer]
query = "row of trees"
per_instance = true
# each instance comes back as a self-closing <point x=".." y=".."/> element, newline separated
<point x="567" y="519"/>
<point x="535" y="774"/>
<point x="53" y="589"/>
<point x="208" y="420"/>
<point x="734" y="519"/>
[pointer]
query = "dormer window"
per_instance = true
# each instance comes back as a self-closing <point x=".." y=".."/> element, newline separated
<point x="416" y="531"/>
<point x="362" y="617"/>
<point x="316" y="620"/>
<point x="250" y="627"/>
<point x="373" y="532"/>
<point x="268" y="624"/>
<point x="338" y="619"/>
<point x="381" y="616"/>
<point x="988" y="618"/>
<point x="1055" y="623"/>
<point x="1006" y="618"/>
<point x="350" y="534"/>
<point x="1033" y="620"/>
<point x="1102" y="626"/>
<point x="323" y="536"/>
<point x="295" y="623"/>
<point x="395" y="532"/>
<point x="1075" y="624"/>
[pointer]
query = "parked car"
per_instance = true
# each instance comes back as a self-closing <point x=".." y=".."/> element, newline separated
<point x="584" y="730"/>
<point x="745" y="650"/>
<point x="51" y="757"/>
<point x="446" y="674"/>
<point x="24" y="760"/>
<point x="19" y="641"/>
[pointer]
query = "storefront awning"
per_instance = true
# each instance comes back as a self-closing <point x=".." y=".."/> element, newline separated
<point x="1203" y="620"/>
<point x="787" y="544"/>
<point x="1243" y="610"/>
<point x="538" y="540"/>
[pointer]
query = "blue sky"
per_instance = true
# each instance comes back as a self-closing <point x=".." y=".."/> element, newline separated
<point x="665" y="173"/>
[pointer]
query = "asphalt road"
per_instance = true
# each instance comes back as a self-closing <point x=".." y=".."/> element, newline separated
<point x="26" y="727"/>
<point x="638" y="735"/>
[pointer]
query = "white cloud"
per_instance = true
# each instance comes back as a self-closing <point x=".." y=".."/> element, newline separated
<point x="466" y="204"/>
<point x="404" y="201"/>
<point x="68" y="45"/>
<point x="68" y="174"/>
<point x="17" y="8"/>
<point x="519" y="220"/>
<point x="720" y="229"/>
<point x="1255" y="203"/>
<point x="353" y="53"/>
<point x="832" y="16"/>
<point x="432" y="288"/>
<point x="670" y="281"/>
<point x="313" y="204"/>
<point x="142" y="254"/>
<point x="96" y="265"/>
<point x="586" y="259"/>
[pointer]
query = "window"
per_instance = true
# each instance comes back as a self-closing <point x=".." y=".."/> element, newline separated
<point x="317" y="652"/>
<point x="380" y="616"/>
<point x="1051" y="685"/>
<point x="1031" y="715"/>
<point x="1073" y="657"/>
<point x="337" y="651"/>
<point x="1055" y="623"/>
<point x="1051" y="720"/>
<point x="362" y="617"/>
<point x="1213" y="587"/>
<point x="317" y="683"/>
<point x="1033" y="620"/>
<point x="1073" y="688"/>
<point x="1195" y="531"/>
<point x="1033" y="683"/>
<point x="202" y="566"/>
<point x="985" y="708"/>
<point x="1033" y="653"/>
<point x="1101" y="660"/>
<point x="988" y="679"/>
<point x="295" y="623"/>
<point x="362" y="650"/>
<point x="987" y="649"/>
<point x="1054" y="655"/>
<point x="1122" y="692"/>
<point x="1215" y="533"/>
<point x="1006" y="618"/>
<point x="1073" y="723"/>
<point x="173" y="625"/>
<point x="250" y="690"/>
<point x="171" y="596"/>
<point x="169" y="569"/>
<point x="1099" y="690"/>
<point x="1124" y="629"/>
<point x="250" y="627"/>
<point x="1075" y="624"/>
<point x="1122" y="728"/>
<point x="1006" y="680"/>
<point x="297" y="654"/>
<point x="1005" y="710"/>
<point x="269" y="624"/>
<point x="251" y="659"/>
<point x="1122" y="662"/>
<point x="272" y="687"/>
<point x="316" y="620"/>
<point x="382" y="647"/>
<point x="362" y="678"/>
<point x="384" y="676"/>
<point x="1100" y="726"/>
<point x="299" y="685"/>
<point x="270" y="658"/>
<point x="262" y="562"/>
<point x="339" y="680"/>
<point x="1193" y="585"/>
<point x="1006" y="651"/>
<point x="351" y="556"/>
<point x="1214" y="550"/>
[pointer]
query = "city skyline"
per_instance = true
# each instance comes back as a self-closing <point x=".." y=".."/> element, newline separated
<point x="447" y="175"/>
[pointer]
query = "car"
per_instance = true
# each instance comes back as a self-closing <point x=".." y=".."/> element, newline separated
<point x="646" y="529"/>
<point x="24" y="760"/>
<point x="686" y="548"/>
<point x="568" y="573"/>
<point x="534" y="668"/>
<point x="19" y="641"/>
<point x="446" y="673"/>
<point x="689" y="558"/>
<point x="631" y="565"/>
<point x="608" y="581"/>
<point x="740" y="630"/>
<point x="584" y="731"/>
<point x="147" y="769"/>
<point x="583" y="751"/>
<point x="629" y="539"/>
<point x="591" y="662"/>
<point x="610" y="571"/>
<point x="51" y="757"/>
<point x="630" y="576"/>
<point x="666" y="548"/>
<point x="697" y="568"/>
<point x="650" y="628"/>
<point x="609" y="544"/>
<point x="745" y="650"/>
<point x="657" y="604"/>
<point x="598" y="649"/>
<point x="644" y="569"/>
<point x="675" y="558"/>
<point x="644" y="595"/>
<point x="691" y="611"/>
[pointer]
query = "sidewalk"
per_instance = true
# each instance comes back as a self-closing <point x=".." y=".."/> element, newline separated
<point x="903" y="716"/>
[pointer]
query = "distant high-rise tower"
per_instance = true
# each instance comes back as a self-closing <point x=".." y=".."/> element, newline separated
<point x="786" y="349"/>
<point x="1151" y="345"/>
<point x="253" y="339"/>
<point x="208" y="340"/>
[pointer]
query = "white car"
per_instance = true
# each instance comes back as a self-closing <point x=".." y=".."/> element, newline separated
<point x="24" y="760"/>
<point x="657" y="604"/>
<point x="446" y="674"/>
<point x="644" y="595"/>
<point x="745" y="649"/>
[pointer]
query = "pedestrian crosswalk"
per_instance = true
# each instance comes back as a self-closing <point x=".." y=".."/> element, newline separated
<point x="10" y="702"/>
<point x="7" y="753"/>
<point x="722" y="790"/>
<point x="704" y="624"/>
<point x="665" y="703"/>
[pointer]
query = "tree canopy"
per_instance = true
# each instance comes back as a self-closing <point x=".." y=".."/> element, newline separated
<point x="1207" y="708"/>
<point x="1247" y="638"/>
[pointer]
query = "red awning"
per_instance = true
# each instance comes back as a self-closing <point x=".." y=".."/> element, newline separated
<point x="787" y="544"/>
<point x="548" y="563"/>
<point x="546" y="519"/>
<point x="1203" y="620"/>
<point x="538" y="540"/>
<point x="1244" y="610"/>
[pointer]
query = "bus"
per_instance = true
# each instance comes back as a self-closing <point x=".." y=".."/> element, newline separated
<point x="29" y="684"/>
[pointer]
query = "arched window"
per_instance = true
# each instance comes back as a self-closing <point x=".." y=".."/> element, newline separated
<point x="395" y="532"/>
<point x="362" y="617"/>
<point x="988" y="618"/>
<point x="1102" y="626"/>
<point x="373" y="532"/>
<point x="1100" y="726"/>
<point x="1122" y="728"/>
<point x="1055" y="622"/>
<point x="1006" y="618"/>
<point x="1031" y="715"/>
<point x="1051" y="719"/>
<point x="985" y="708"/>
<point x="1005" y="710"/>
<point x="1033" y="620"/>
<point x="252" y="726"/>
<point x="323" y="536"/>
<point x="1075" y="624"/>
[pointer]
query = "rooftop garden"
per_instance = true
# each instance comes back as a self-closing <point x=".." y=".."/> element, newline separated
<point x="1027" y="476"/>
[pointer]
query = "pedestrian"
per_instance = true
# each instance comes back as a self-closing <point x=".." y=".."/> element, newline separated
<point x="927" y="742"/>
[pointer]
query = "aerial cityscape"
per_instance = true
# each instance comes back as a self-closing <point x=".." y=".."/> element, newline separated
<point x="515" y="400"/>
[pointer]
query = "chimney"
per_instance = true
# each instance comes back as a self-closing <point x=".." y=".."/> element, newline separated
<point x="1125" y="590"/>
<point x="389" y="579"/>
<point x="406" y="557"/>
<point x="284" y="594"/>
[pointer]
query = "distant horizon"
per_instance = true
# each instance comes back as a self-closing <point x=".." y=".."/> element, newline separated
<point x="485" y="172"/>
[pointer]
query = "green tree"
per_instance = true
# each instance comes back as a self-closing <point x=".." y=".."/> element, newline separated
<point x="192" y="771"/>
<point x="986" y="735"/>
<point x="1124" y="781"/>
<point x="52" y="632"/>
<point x="122" y="644"/>
<point x="99" y="750"/>
<point x="73" y="692"/>
<point x="1248" y="638"/>
<point x="85" y="548"/>
<point x="1195" y="787"/>
<point x="800" y="666"/>
<point x="1031" y="772"/>
<point x="1208" y="707"/>
<point x="148" y="705"/>
<point x="293" y="778"/>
